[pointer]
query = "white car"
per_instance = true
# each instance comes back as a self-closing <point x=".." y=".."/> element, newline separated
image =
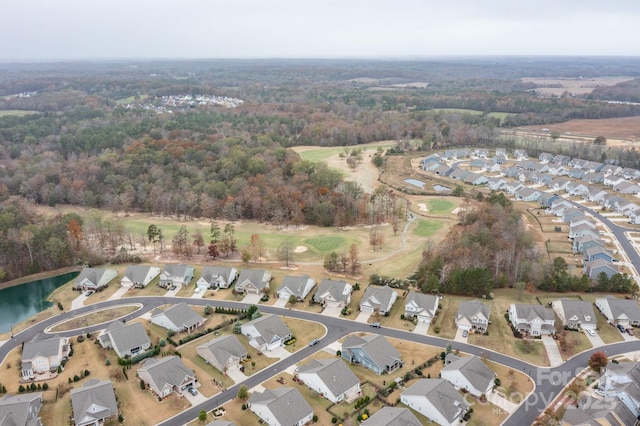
<point x="197" y="290"/>
<point x="590" y="332"/>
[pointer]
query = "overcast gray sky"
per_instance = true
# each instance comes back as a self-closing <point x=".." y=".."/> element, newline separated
<point x="122" y="29"/>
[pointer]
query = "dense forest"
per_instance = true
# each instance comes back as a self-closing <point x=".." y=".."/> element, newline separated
<point x="209" y="138"/>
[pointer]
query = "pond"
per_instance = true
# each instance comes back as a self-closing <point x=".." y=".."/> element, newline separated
<point x="415" y="182"/>
<point x="23" y="301"/>
<point x="441" y="188"/>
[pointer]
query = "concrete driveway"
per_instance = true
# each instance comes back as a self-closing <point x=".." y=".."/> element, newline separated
<point x="172" y="293"/>
<point x="332" y="311"/>
<point x="119" y="293"/>
<point x="363" y="317"/>
<point x="235" y="374"/>
<point x="278" y="352"/>
<point x="194" y="399"/>
<point x="280" y="303"/>
<point x="78" y="302"/>
<point x="421" y="328"/>
<point x="458" y="337"/>
<point x="553" y="352"/>
<point x="252" y="299"/>
<point x="596" y="341"/>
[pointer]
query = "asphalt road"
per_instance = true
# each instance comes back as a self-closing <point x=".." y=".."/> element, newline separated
<point x="549" y="381"/>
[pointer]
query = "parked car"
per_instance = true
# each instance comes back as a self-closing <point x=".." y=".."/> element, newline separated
<point x="590" y="332"/>
<point x="89" y="293"/>
<point x="314" y="342"/>
<point x="621" y="328"/>
<point x="465" y="334"/>
<point x="173" y="287"/>
<point x="630" y="331"/>
<point x="375" y="324"/>
<point x="192" y="390"/>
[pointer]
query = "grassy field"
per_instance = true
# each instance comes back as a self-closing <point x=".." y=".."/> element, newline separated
<point x="316" y="154"/>
<point x="16" y="112"/>
<point x="99" y="317"/>
<point x="427" y="228"/>
<point x="325" y="244"/>
<point x="500" y="115"/>
<point x="440" y="206"/>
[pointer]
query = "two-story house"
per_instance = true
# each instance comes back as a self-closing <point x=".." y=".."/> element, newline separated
<point x="532" y="319"/>
<point x="423" y="307"/>
<point x="473" y="315"/>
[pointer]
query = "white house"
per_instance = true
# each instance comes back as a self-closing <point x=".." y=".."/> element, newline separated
<point x="166" y="375"/>
<point x="217" y="277"/>
<point x="421" y="306"/>
<point x="283" y="406"/>
<point x="253" y="281"/>
<point x="335" y="293"/>
<point x="532" y="319"/>
<point x="43" y="354"/>
<point x="378" y="299"/>
<point x="266" y="332"/>
<point x="437" y="400"/>
<point x="575" y="314"/>
<point x="299" y="287"/>
<point x="139" y="276"/>
<point x="176" y="275"/>
<point x="619" y="311"/>
<point x="94" y="278"/>
<point x="473" y="316"/>
<point x="468" y="373"/>
<point x="331" y="378"/>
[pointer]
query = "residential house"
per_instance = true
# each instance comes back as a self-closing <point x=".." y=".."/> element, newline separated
<point x="430" y="165"/>
<point x="476" y="163"/>
<point x="176" y="275"/>
<point x="545" y="157"/>
<point x="473" y="316"/>
<point x="43" y="354"/>
<point x="373" y="352"/>
<point x="21" y="409"/>
<point x="125" y="339"/>
<point x="626" y="188"/>
<point x="437" y="400"/>
<point x="443" y="170"/>
<point x="561" y="184"/>
<point x="593" y="166"/>
<point x="611" y="200"/>
<point x="559" y="205"/>
<point x="634" y="218"/>
<point x="490" y="167"/>
<point x="621" y="382"/>
<point x="593" y="177"/>
<point x="475" y="179"/>
<point x="595" y="268"/>
<point x="499" y="159"/>
<point x="166" y="375"/>
<point x="597" y="252"/>
<point x="607" y="411"/>
<point x="561" y="159"/>
<point x="610" y="169"/>
<point x="217" y="277"/>
<point x="613" y="180"/>
<point x="520" y="154"/>
<point x="180" y="317"/>
<point x="544" y="179"/>
<point x="579" y="189"/>
<point x="596" y="194"/>
<point x="331" y="378"/>
<point x="583" y="230"/>
<point x="284" y="406"/>
<point x="378" y="299"/>
<point x="139" y="276"/>
<point x="528" y="176"/>
<point x="629" y="173"/>
<point x="619" y="311"/>
<point x="253" y="281"/>
<point x="511" y="172"/>
<point x="581" y="221"/>
<point x="93" y="403"/>
<point x="546" y="199"/>
<point x="429" y="161"/>
<point x="501" y="151"/>
<point x="481" y="153"/>
<point x="392" y="416"/>
<point x="512" y="187"/>
<point x="299" y="287"/>
<point x="458" y="174"/>
<point x="532" y="319"/>
<point x="223" y="352"/>
<point x="581" y="244"/>
<point x="421" y="306"/>
<point x="572" y="213"/>
<point x="496" y="183"/>
<point x="528" y="194"/>
<point x="576" y="173"/>
<point x="266" y="332"/>
<point x="469" y="374"/>
<point x="575" y="314"/>
<point x="94" y="278"/>
<point x="336" y="293"/>
<point x="558" y="170"/>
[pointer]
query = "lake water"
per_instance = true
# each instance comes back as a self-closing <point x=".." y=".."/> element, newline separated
<point x="23" y="301"/>
<point x="415" y="182"/>
<point x="441" y="188"/>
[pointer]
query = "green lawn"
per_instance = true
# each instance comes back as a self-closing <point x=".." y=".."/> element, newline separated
<point x="500" y="115"/>
<point x="326" y="243"/>
<point x="440" y="206"/>
<point x="427" y="228"/>
<point x="321" y="154"/>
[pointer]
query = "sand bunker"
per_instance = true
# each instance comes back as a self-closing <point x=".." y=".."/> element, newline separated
<point x="458" y="210"/>
<point x="300" y="249"/>
<point x="422" y="207"/>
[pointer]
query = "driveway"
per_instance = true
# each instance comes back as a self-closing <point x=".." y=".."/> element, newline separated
<point x="497" y="399"/>
<point x="252" y="299"/>
<point x="119" y="293"/>
<point x="78" y="302"/>
<point x="280" y="303"/>
<point x="332" y="311"/>
<point x="596" y="341"/>
<point x="628" y="338"/>
<point x="421" y="328"/>
<point x="278" y="352"/>
<point x="552" y="351"/>
<point x="235" y="374"/>
<point x="172" y="293"/>
<point x="199" y="294"/>
<point x="458" y="337"/>
<point x="363" y="317"/>
<point x="195" y="399"/>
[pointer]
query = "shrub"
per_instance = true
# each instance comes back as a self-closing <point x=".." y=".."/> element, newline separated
<point x="315" y="418"/>
<point x="162" y="343"/>
<point x="244" y="407"/>
<point x="80" y="338"/>
<point x="107" y="362"/>
<point x="141" y="384"/>
<point x="21" y="389"/>
<point x="45" y="386"/>
<point x="76" y="378"/>
<point x="436" y="330"/>
<point x="334" y="420"/>
<point x="86" y="372"/>
<point x="120" y="418"/>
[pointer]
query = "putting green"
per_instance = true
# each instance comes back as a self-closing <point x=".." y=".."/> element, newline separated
<point x="325" y="244"/>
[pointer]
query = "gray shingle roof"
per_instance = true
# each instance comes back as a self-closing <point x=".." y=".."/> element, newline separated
<point x="180" y="270"/>
<point x="578" y="308"/>
<point x="164" y="371"/>
<point x="621" y="307"/>
<point x="15" y="409"/>
<point x="270" y="326"/>
<point x="378" y="297"/>
<point x="616" y="415"/>
<point x="127" y="337"/>
<point x="442" y="395"/>
<point x="221" y="423"/>
<point x="94" y="275"/>
<point x="137" y="273"/>
<point x="471" y="308"/>
<point x="427" y="302"/>
<point x="221" y="349"/>
<point x="42" y="346"/>
<point x="474" y="370"/>
<point x="392" y="416"/>
<point x="94" y="401"/>
<point x="334" y="373"/>
<point x="258" y="278"/>
<point x="338" y="289"/>
<point x="181" y="315"/>
<point x="532" y="311"/>
<point x="210" y="273"/>
<point x="376" y="346"/>
<point x="286" y="403"/>
<point x="294" y="285"/>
